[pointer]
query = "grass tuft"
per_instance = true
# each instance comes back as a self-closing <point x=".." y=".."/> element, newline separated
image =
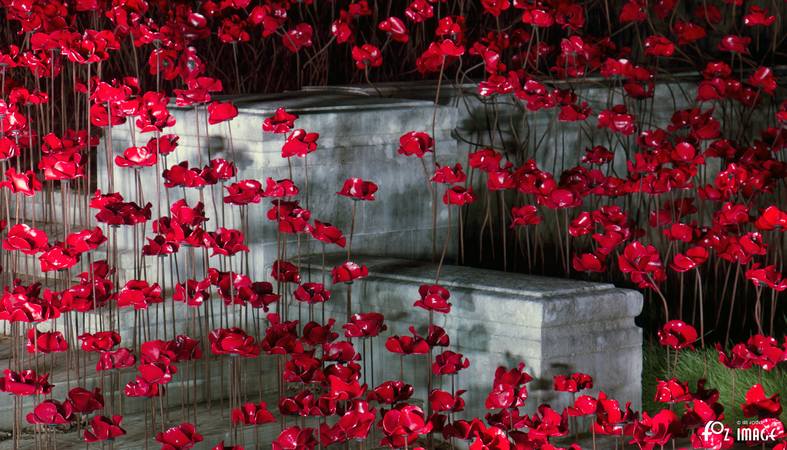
<point x="704" y="363"/>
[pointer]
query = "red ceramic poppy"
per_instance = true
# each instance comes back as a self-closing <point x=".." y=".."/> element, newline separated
<point x="395" y="28"/>
<point x="139" y="294"/>
<point x="572" y="383"/>
<point x="181" y="437"/>
<point x="8" y="148"/>
<point x="391" y="392"/>
<point x="767" y="276"/>
<point x="449" y="175"/>
<point x="138" y="387"/>
<point x="116" y="359"/>
<point x="103" y="428"/>
<point x="99" y="341"/>
<point x="295" y="438"/>
<point x="353" y="425"/>
<point x="51" y="412"/>
<point x="348" y="271"/>
<point x="524" y="215"/>
<point x="221" y="112"/>
<point x="694" y="257"/>
<point x="285" y="272"/>
<point x="407" y="345"/>
<point x="402" y="425"/>
<point x="299" y="143"/>
<point x="367" y="56"/>
<point x="434" y="298"/>
<point x="280" y="189"/>
<point x="759" y="405"/>
<point x="25" y="183"/>
<point x="312" y="293"/>
<point x="84" y="401"/>
<point x="26" y="239"/>
<point x="24" y="383"/>
<point x="192" y="292"/>
<point x="419" y="11"/>
<point x="458" y="196"/>
<point x="315" y="334"/>
<point x="243" y="192"/>
<point x="735" y="44"/>
<point x="509" y="389"/>
<point x="618" y="120"/>
<point x="157" y="372"/>
<point x="298" y="37"/>
<point x="252" y="414"/>
<point x="225" y="241"/>
<point x="358" y="189"/>
<point x="136" y="157"/>
<point x="327" y="233"/>
<point x="280" y="122"/>
<point x="233" y="341"/>
<point x="270" y="16"/>
<point x="449" y="363"/>
<point x="85" y="241"/>
<point x="677" y="335"/>
<point x="45" y="342"/>
<point x="656" y="45"/>
<point x="642" y="263"/>
<point x="365" y="325"/>
<point x="672" y="391"/>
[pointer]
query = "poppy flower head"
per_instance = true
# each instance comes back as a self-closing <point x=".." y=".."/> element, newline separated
<point x="415" y="143"/>
<point x="367" y="56"/>
<point x="299" y="143"/>
<point x="280" y="122"/>
<point x="25" y="383"/>
<point x="458" y="196"/>
<point x="180" y="437"/>
<point x="395" y="28"/>
<point x="677" y="335"/>
<point x="348" y="271"/>
<point x="434" y="298"/>
<point x="448" y="174"/>
<point x="221" y="112"/>
<point x="103" y="428"/>
<point x="312" y="293"/>
<point x="45" y="342"/>
<point x="358" y="189"/>
<point x="572" y="383"/>
<point x="51" y="412"/>
<point x="365" y="325"/>
<point x="26" y="239"/>
<point x="233" y="341"/>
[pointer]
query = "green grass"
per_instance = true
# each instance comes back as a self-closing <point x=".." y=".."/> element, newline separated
<point x="698" y="364"/>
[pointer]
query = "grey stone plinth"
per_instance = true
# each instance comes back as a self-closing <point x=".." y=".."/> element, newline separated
<point x="555" y="326"/>
<point x="359" y="137"/>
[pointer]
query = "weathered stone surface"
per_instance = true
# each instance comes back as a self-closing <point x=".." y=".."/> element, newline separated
<point x="359" y="137"/>
<point x="555" y="326"/>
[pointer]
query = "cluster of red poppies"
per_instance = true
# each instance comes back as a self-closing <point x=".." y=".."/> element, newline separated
<point x="697" y="196"/>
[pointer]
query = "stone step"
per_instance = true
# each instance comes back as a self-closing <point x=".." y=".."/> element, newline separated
<point x="555" y="326"/>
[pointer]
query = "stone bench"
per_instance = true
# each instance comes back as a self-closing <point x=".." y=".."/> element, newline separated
<point x="555" y="326"/>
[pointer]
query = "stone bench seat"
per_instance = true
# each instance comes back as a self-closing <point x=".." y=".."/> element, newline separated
<point x="555" y="326"/>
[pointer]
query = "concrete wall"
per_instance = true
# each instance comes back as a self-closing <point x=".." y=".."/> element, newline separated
<point x="359" y="137"/>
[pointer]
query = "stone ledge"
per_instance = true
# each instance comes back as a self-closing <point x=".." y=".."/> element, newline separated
<point x="555" y="326"/>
